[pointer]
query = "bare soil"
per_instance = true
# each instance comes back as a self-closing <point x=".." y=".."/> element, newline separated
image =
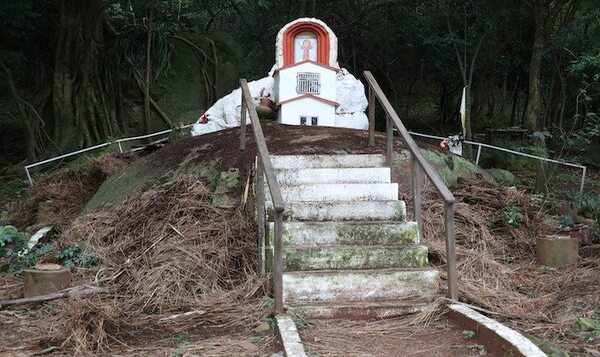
<point x="389" y="337"/>
<point x="222" y="147"/>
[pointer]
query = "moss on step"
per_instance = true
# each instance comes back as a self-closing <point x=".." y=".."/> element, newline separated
<point x="354" y="257"/>
<point x="376" y="233"/>
<point x="348" y="233"/>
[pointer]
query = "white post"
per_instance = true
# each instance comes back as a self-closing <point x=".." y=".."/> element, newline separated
<point x="29" y="176"/>
<point x="478" y="154"/>
<point x="582" y="179"/>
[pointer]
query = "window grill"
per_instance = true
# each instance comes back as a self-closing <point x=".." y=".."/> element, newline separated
<point x="313" y="120"/>
<point x="308" y="82"/>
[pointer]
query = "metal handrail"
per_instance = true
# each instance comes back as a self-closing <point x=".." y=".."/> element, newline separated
<point x="265" y="169"/>
<point x="417" y="161"/>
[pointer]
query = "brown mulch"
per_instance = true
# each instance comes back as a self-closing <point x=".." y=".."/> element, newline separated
<point x="389" y="337"/>
<point x="497" y="269"/>
<point x="65" y="192"/>
<point x="171" y="261"/>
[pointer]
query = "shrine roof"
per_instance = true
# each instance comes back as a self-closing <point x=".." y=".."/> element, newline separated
<point x="306" y="61"/>
<point x="308" y="95"/>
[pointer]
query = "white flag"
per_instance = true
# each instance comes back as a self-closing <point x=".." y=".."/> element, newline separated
<point x="463" y="111"/>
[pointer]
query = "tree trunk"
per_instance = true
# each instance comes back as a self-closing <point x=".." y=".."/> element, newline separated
<point x="443" y="100"/>
<point x="148" y="71"/>
<point x="515" y="100"/>
<point x="532" y="111"/>
<point x="30" y="132"/>
<point x="80" y="118"/>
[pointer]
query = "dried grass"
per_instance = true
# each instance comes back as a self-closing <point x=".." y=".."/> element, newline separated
<point x="67" y="191"/>
<point x="496" y="263"/>
<point x="171" y="261"/>
<point x="11" y="286"/>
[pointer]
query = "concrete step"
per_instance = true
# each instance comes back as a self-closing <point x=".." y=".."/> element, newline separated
<point x="292" y="177"/>
<point x="339" y="192"/>
<point x="357" y="310"/>
<point x="359" y="285"/>
<point x="331" y="161"/>
<point x="319" y="211"/>
<point x="347" y="233"/>
<point x="297" y="258"/>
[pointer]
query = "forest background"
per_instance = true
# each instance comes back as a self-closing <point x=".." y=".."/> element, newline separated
<point x="76" y="73"/>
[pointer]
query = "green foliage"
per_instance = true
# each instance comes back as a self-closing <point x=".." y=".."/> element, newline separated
<point x="550" y="349"/>
<point x="302" y="323"/>
<point x="589" y="203"/>
<point x="587" y="328"/>
<point x="75" y="256"/>
<point x="267" y="303"/>
<point x="513" y="216"/>
<point x="566" y="221"/>
<point x="15" y="254"/>
<point x="468" y="333"/>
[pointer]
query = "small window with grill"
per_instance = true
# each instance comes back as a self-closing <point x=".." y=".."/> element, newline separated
<point x="308" y="82"/>
<point x="302" y="120"/>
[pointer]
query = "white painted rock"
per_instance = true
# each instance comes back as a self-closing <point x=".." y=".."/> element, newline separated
<point x="225" y="113"/>
<point x="350" y="93"/>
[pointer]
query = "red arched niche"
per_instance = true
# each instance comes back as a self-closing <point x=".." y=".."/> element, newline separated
<point x="294" y="30"/>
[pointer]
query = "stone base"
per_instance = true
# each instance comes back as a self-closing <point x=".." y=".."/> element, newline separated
<point x="556" y="251"/>
<point x="45" y="279"/>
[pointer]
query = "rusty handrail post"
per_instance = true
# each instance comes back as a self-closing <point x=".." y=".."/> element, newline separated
<point x="243" y="124"/>
<point x="418" y="163"/>
<point x="451" y="251"/>
<point x="416" y="192"/>
<point x="389" y="140"/>
<point x="274" y="189"/>
<point x="278" y="252"/>
<point x="260" y="213"/>
<point x="371" y="116"/>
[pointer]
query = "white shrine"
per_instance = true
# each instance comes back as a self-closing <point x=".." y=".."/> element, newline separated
<point x="306" y="84"/>
<point x="305" y="74"/>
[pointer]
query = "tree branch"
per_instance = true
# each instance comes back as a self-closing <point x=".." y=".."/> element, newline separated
<point x="471" y="70"/>
<point x="456" y="50"/>
<point x="82" y="290"/>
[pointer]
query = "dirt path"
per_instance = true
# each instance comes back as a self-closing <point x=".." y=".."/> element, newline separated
<point x="389" y="337"/>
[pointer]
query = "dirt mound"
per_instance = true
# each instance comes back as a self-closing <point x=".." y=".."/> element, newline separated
<point x="496" y="229"/>
<point x="170" y="260"/>
<point x="57" y="198"/>
<point x="207" y="155"/>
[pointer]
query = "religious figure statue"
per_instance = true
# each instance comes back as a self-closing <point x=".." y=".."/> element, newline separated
<point x="306" y="47"/>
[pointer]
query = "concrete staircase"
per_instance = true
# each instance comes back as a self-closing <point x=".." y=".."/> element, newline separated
<point x="348" y="249"/>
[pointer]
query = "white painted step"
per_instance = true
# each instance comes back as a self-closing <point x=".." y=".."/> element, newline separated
<point x="331" y="161"/>
<point x="292" y="177"/>
<point x="342" y="211"/>
<point x="347" y="257"/>
<point x="340" y="192"/>
<point x="357" y="310"/>
<point x="359" y="285"/>
<point x="347" y="233"/>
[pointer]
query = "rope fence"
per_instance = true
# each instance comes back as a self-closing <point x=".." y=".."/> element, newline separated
<point x="115" y="142"/>
<point x="480" y="145"/>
